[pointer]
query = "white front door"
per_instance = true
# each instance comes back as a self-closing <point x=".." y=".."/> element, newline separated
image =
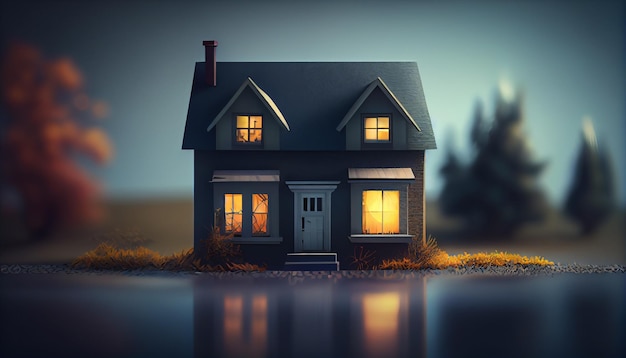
<point x="311" y="214"/>
<point x="312" y="222"/>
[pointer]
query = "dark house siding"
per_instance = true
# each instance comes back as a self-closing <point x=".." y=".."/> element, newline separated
<point x="313" y="166"/>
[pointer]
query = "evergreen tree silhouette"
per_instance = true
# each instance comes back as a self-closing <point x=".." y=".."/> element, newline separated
<point x="591" y="196"/>
<point x="498" y="192"/>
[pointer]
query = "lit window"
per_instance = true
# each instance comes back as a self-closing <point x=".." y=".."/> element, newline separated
<point x="376" y="129"/>
<point x="249" y="129"/>
<point x="233" y="213"/>
<point x="381" y="212"/>
<point x="260" y="208"/>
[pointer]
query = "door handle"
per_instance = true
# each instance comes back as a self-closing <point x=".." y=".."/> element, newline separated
<point x="303" y="223"/>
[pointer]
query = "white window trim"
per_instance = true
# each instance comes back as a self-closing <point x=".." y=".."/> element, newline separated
<point x="380" y="239"/>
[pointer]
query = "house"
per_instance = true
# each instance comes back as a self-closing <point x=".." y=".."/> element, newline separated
<point x="309" y="161"/>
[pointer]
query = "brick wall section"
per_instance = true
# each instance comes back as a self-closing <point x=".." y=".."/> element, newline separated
<point x="417" y="202"/>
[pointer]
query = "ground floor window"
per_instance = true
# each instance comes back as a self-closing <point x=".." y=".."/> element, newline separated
<point x="246" y="205"/>
<point x="235" y="213"/>
<point x="379" y="205"/>
<point x="260" y="208"/>
<point x="381" y="212"/>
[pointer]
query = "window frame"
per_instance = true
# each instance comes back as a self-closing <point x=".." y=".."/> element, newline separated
<point x="236" y="143"/>
<point x="376" y="143"/>
<point x="356" y="213"/>
<point x="247" y="189"/>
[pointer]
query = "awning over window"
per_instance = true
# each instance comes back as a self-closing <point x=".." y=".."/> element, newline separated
<point x="380" y="174"/>
<point x="223" y="176"/>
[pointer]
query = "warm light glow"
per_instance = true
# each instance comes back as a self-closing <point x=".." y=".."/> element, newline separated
<point x="233" y="213"/>
<point x="376" y="129"/>
<point x="249" y="129"/>
<point x="237" y="342"/>
<point x="233" y="317"/>
<point x="381" y="212"/>
<point x="260" y="208"/>
<point x="259" y="323"/>
<point x="381" y="323"/>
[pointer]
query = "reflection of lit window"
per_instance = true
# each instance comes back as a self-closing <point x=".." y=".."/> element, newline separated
<point x="376" y="129"/>
<point x="233" y="213"/>
<point x="252" y="342"/>
<point x="249" y="129"/>
<point x="233" y="314"/>
<point x="381" y="323"/>
<point x="381" y="211"/>
<point x="259" y="214"/>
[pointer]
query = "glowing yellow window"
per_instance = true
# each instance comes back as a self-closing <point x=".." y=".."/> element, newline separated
<point x="376" y="129"/>
<point x="233" y="213"/>
<point x="249" y="129"/>
<point x="260" y="208"/>
<point x="381" y="212"/>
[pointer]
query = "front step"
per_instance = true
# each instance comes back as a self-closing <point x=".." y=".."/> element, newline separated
<point x="312" y="261"/>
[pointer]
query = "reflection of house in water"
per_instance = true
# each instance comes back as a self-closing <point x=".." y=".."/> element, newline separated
<point x="321" y="319"/>
<point x="569" y="316"/>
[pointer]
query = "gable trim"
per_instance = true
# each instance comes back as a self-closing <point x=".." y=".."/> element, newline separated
<point x="377" y="83"/>
<point x="263" y="97"/>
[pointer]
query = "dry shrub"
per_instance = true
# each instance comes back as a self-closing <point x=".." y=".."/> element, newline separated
<point x="362" y="258"/>
<point x="121" y="251"/>
<point x="435" y="258"/>
<point x="220" y="250"/>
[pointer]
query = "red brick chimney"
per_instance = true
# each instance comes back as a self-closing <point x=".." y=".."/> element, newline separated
<point x="209" y="50"/>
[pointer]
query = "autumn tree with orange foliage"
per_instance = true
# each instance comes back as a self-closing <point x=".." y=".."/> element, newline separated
<point x="45" y="128"/>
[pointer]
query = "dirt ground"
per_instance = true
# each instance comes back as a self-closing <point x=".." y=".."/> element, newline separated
<point x="168" y="227"/>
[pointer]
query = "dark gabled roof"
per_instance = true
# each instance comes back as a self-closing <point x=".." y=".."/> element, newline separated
<point x="313" y="98"/>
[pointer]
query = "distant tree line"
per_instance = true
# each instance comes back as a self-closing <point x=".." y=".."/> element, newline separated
<point x="498" y="191"/>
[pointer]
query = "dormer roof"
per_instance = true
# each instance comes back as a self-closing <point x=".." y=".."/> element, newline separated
<point x="263" y="97"/>
<point x="377" y="83"/>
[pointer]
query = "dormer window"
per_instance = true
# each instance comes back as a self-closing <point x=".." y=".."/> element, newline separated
<point x="377" y="129"/>
<point x="249" y="129"/>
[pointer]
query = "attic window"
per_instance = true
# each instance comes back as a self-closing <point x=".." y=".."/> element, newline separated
<point x="376" y="129"/>
<point x="249" y="129"/>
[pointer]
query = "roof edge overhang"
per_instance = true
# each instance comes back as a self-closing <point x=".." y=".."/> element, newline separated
<point x="377" y="83"/>
<point x="267" y="101"/>
<point x="398" y="175"/>
<point x="240" y="176"/>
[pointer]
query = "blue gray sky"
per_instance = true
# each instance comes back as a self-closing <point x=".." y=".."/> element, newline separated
<point x="138" y="56"/>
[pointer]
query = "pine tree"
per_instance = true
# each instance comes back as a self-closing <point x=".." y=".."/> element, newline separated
<point x="591" y="196"/>
<point x="498" y="192"/>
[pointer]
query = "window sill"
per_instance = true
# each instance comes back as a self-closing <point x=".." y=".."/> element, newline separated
<point x="264" y="240"/>
<point x="380" y="239"/>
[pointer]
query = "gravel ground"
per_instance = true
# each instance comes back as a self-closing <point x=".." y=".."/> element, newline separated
<point x="295" y="276"/>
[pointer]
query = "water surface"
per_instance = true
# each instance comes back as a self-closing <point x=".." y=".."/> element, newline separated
<point x="195" y="316"/>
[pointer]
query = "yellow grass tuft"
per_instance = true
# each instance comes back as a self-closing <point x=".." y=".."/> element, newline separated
<point x="428" y="256"/>
<point x="109" y="257"/>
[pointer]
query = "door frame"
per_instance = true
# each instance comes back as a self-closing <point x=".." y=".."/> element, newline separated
<point x="304" y="188"/>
